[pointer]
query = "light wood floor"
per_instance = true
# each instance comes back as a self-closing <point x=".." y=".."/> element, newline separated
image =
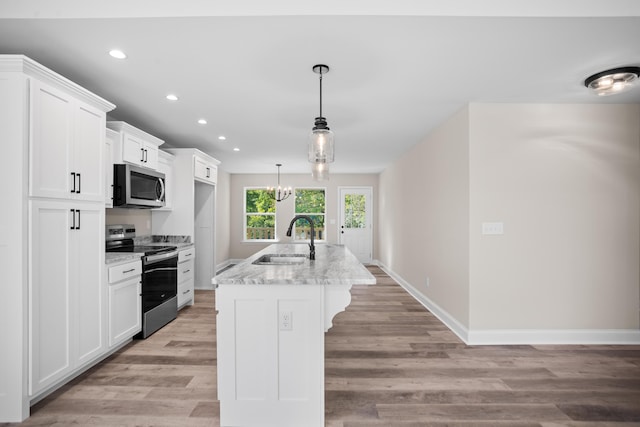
<point x="389" y="362"/>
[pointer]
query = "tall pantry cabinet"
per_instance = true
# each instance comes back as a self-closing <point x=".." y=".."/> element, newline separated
<point x="52" y="239"/>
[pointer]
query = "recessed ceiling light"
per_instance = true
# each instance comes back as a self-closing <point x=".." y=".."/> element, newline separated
<point x="236" y="149"/>
<point x="222" y="137"/>
<point x="202" y="121"/>
<point x="172" y="97"/>
<point x="118" y="54"/>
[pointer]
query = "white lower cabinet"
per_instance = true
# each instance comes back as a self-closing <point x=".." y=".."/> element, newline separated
<point x="186" y="267"/>
<point x="125" y="302"/>
<point x="67" y="296"/>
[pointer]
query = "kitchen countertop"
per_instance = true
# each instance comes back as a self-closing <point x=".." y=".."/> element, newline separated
<point x="334" y="265"/>
<point x="120" y="257"/>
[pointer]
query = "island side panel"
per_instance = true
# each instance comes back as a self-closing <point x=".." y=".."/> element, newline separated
<point x="271" y="354"/>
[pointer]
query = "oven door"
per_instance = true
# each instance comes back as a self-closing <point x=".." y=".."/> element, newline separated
<point x="159" y="279"/>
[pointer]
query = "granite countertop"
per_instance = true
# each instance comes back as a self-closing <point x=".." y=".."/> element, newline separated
<point x="180" y="242"/>
<point x="121" y="257"/>
<point x="334" y="265"/>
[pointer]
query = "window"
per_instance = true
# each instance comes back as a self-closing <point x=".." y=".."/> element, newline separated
<point x="310" y="201"/>
<point x="260" y="214"/>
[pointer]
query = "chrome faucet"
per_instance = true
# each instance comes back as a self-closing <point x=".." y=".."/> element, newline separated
<point x="312" y="248"/>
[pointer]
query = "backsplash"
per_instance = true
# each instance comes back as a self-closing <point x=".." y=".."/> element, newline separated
<point x="141" y="218"/>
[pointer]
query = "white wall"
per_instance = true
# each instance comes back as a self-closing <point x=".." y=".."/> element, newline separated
<point x="285" y="209"/>
<point x="424" y="217"/>
<point x="564" y="180"/>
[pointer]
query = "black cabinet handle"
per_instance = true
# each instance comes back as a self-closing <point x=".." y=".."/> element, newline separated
<point x="73" y="176"/>
<point x="79" y="183"/>
<point x="208" y="176"/>
<point x="73" y="216"/>
<point x="129" y="271"/>
<point x="142" y="154"/>
<point x="145" y="155"/>
<point x="78" y="226"/>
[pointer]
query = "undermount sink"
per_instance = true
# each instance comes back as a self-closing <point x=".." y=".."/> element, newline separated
<point x="280" y="259"/>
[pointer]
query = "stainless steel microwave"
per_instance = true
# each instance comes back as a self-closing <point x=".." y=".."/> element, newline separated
<point x="136" y="187"/>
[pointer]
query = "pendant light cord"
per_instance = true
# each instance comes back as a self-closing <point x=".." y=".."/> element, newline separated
<point x="320" y="91"/>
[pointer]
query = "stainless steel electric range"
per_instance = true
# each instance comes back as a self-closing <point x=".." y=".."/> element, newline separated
<point x="159" y="276"/>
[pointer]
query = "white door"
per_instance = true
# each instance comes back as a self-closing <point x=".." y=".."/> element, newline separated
<point x="356" y="230"/>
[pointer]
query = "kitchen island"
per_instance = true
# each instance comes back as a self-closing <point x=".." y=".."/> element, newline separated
<point x="273" y="310"/>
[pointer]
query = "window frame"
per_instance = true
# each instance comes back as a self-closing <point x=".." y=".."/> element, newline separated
<point x="245" y="214"/>
<point x="324" y="214"/>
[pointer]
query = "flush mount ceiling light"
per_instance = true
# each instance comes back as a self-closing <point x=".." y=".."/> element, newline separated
<point x="613" y="81"/>
<point x="321" y="138"/>
<point x="280" y="193"/>
<point x="172" y="97"/>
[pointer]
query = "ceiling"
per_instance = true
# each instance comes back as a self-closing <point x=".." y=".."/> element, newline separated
<point x="398" y="69"/>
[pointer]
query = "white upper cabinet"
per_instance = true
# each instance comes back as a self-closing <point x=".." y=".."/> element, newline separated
<point x="66" y="146"/>
<point x="205" y="169"/>
<point x="135" y="146"/>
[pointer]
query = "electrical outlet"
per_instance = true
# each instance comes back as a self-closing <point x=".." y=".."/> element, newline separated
<point x="286" y="321"/>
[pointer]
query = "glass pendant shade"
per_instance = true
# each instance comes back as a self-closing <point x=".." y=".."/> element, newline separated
<point x="320" y="171"/>
<point x="321" y="146"/>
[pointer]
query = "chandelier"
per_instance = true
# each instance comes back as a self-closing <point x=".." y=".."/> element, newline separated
<point x="321" y="140"/>
<point x="280" y="193"/>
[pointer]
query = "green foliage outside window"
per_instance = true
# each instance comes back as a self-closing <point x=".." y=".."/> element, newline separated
<point x="260" y="214"/>
<point x="354" y="210"/>
<point x="310" y="201"/>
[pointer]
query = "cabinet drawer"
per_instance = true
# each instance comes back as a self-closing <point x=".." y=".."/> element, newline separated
<point x="186" y="254"/>
<point x="125" y="271"/>
<point x="185" y="271"/>
<point x="185" y="292"/>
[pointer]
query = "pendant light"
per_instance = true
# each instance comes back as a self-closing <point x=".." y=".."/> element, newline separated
<point x="280" y="193"/>
<point x="321" y="140"/>
<point x="320" y="171"/>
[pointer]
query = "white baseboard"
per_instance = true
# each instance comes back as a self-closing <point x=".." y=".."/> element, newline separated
<point x="449" y="321"/>
<point x="520" y="336"/>
<point x="555" y="336"/>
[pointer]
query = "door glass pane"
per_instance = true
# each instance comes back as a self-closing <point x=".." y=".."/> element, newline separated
<point x="354" y="211"/>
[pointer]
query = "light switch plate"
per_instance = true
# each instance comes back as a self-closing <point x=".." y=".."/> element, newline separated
<point x="492" y="228"/>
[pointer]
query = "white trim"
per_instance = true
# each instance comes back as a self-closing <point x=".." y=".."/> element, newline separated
<point x="552" y="336"/>
<point x="519" y="336"/>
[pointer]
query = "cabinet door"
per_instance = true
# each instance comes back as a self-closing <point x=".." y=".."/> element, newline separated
<point x="88" y="149"/>
<point x="132" y="150"/>
<point x="86" y="265"/>
<point x="125" y="306"/>
<point x="203" y="171"/>
<point x="109" y="147"/>
<point x="50" y="293"/>
<point x="150" y="157"/>
<point x="50" y="142"/>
